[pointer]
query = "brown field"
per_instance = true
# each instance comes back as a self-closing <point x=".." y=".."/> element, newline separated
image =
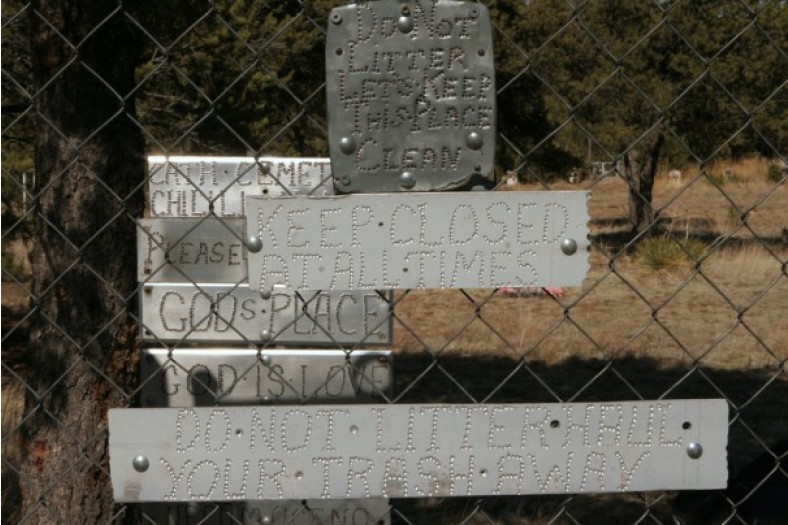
<point x="711" y="327"/>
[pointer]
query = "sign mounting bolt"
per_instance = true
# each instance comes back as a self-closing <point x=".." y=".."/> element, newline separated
<point x="694" y="450"/>
<point x="405" y="24"/>
<point x="407" y="180"/>
<point x="140" y="463"/>
<point x="569" y="246"/>
<point x="336" y="18"/>
<point x="265" y="294"/>
<point x="265" y="335"/>
<point x="474" y="140"/>
<point x="254" y="244"/>
<point x="266" y="359"/>
<point x="347" y="145"/>
<point x="266" y="168"/>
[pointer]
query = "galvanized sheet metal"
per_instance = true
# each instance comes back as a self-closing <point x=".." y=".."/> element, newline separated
<point x="373" y="511"/>
<point x="411" y="95"/>
<point x="220" y="313"/>
<point x="191" y="250"/>
<point x="359" y="451"/>
<point x="424" y="240"/>
<point x="199" y="186"/>
<point x="233" y="376"/>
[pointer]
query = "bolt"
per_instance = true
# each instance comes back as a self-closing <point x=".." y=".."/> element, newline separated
<point x="254" y="244"/>
<point x="405" y="24"/>
<point x="336" y="18"/>
<point x="474" y="13"/>
<point x="569" y="246"/>
<point x="265" y="294"/>
<point x="140" y="463"/>
<point x="265" y="335"/>
<point x="347" y="145"/>
<point x="266" y="359"/>
<point x="407" y="180"/>
<point x="474" y="140"/>
<point x="694" y="450"/>
<point x="266" y="167"/>
<point x="148" y="289"/>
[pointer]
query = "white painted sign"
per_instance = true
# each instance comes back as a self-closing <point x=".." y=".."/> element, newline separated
<point x="419" y="240"/>
<point x="361" y="451"/>
<point x="231" y="376"/>
<point x="201" y="186"/>
<point x="174" y="312"/>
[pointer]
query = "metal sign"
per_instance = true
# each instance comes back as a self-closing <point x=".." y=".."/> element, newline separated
<point x="191" y="250"/>
<point x="173" y="312"/>
<point x="227" y="376"/>
<point x="426" y="240"/>
<point x="308" y="512"/>
<point x="360" y="451"/>
<point x="411" y="95"/>
<point x="201" y="186"/>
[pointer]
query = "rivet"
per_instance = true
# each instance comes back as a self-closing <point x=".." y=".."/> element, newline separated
<point x="694" y="450"/>
<point x="265" y="294"/>
<point x="474" y="13"/>
<point x="265" y="335"/>
<point x="405" y="24"/>
<point x="140" y="463"/>
<point x="254" y="244"/>
<point x="266" y="167"/>
<point x="474" y="140"/>
<point x="569" y="246"/>
<point x="266" y="359"/>
<point x="336" y="18"/>
<point x="407" y="179"/>
<point x="148" y="289"/>
<point x="347" y="145"/>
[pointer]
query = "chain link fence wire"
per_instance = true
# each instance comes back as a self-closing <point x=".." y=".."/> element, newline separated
<point x="686" y="300"/>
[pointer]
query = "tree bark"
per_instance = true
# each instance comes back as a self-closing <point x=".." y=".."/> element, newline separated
<point x="89" y="164"/>
<point x="640" y="168"/>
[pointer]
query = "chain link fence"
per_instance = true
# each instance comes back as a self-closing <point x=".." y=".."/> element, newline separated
<point x="692" y="303"/>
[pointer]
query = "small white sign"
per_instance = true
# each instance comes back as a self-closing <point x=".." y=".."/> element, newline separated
<point x="419" y="240"/>
<point x="406" y="451"/>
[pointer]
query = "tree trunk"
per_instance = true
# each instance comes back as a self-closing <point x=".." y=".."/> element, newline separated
<point x="640" y="168"/>
<point x="89" y="167"/>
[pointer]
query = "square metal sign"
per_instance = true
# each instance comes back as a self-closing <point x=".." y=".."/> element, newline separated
<point x="410" y="92"/>
<point x="448" y="240"/>
<point x="200" y="186"/>
<point x="407" y="450"/>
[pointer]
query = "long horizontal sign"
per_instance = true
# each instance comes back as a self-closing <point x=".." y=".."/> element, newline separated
<point x="419" y="240"/>
<point x="199" y="186"/>
<point x="361" y="451"/>
<point x="221" y="313"/>
<point x="210" y="376"/>
<point x="308" y="512"/>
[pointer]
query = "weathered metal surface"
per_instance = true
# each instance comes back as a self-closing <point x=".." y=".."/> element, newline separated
<point x="220" y="313"/>
<point x="410" y="88"/>
<point x="233" y="376"/>
<point x="359" y="451"/>
<point x="425" y="240"/>
<point x="199" y="186"/>
<point x="373" y="511"/>
<point x="191" y="250"/>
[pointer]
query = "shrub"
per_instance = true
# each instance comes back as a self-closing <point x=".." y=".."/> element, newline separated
<point x="775" y="173"/>
<point x="665" y="252"/>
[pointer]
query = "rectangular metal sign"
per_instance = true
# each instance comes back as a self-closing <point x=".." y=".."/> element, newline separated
<point x="199" y="186"/>
<point x="419" y="240"/>
<point x="191" y="250"/>
<point x="373" y="511"/>
<point x="221" y="313"/>
<point x="361" y="451"/>
<point x="410" y="89"/>
<point x="235" y="376"/>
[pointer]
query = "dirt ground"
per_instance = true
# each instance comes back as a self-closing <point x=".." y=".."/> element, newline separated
<point x="712" y="327"/>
